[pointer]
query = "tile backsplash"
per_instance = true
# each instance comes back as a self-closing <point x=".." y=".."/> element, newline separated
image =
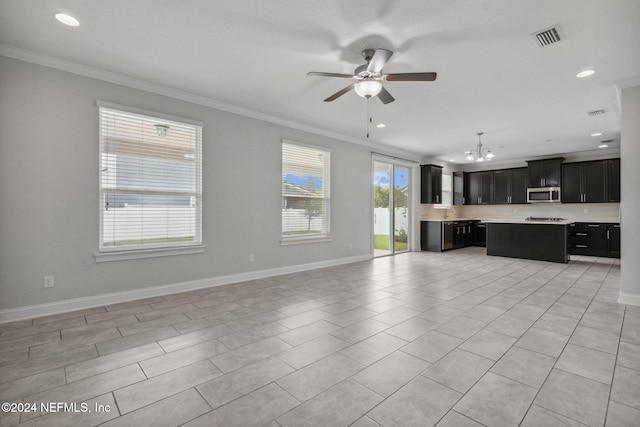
<point x="582" y="212"/>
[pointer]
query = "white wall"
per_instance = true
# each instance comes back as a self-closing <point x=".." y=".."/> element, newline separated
<point x="630" y="196"/>
<point x="49" y="192"/>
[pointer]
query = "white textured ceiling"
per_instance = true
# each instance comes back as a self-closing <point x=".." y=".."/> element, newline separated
<point x="254" y="54"/>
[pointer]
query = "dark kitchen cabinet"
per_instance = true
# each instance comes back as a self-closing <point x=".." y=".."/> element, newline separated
<point x="594" y="239"/>
<point x="613" y="175"/>
<point x="430" y="184"/>
<point x="480" y="234"/>
<point x="510" y="186"/>
<point x="480" y="188"/>
<point x="459" y="179"/>
<point x="462" y="234"/>
<point x="436" y="236"/>
<point x="613" y="240"/>
<point x="519" y="184"/>
<point x="585" y="182"/>
<point x="545" y="173"/>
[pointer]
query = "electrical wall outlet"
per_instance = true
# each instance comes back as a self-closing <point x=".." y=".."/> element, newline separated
<point x="48" y="282"/>
<point x="251" y="258"/>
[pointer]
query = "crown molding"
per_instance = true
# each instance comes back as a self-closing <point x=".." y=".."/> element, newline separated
<point x="131" y="82"/>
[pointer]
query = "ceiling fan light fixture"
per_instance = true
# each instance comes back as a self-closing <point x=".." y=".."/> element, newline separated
<point x="368" y="88"/>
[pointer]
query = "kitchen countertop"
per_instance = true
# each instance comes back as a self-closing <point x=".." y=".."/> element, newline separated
<point x="523" y="221"/>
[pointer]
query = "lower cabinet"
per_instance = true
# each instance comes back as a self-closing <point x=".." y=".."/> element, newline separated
<point x="613" y="240"/>
<point x="480" y="234"/>
<point x="438" y="236"/>
<point x="594" y="239"/>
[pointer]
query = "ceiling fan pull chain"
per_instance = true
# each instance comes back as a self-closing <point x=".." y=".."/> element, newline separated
<point x="368" y="114"/>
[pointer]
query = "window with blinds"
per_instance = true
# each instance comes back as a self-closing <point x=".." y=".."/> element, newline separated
<point x="150" y="181"/>
<point x="305" y="191"/>
<point x="447" y="188"/>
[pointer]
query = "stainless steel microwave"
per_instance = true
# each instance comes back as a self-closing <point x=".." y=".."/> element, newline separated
<point x="543" y="195"/>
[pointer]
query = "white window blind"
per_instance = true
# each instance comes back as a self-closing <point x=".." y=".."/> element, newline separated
<point x="150" y="182"/>
<point x="447" y="189"/>
<point x="305" y="191"/>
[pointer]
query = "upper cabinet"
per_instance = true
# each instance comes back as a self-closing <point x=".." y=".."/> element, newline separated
<point x="591" y="182"/>
<point x="545" y="173"/>
<point x="459" y="179"/>
<point x="581" y="182"/>
<point x="430" y="184"/>
<point x="480" y="188"/>
<point x="613" y="176"/>
<point x="510" y="186"/>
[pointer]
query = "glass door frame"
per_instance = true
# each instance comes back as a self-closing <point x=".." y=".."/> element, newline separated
<point x="393" y="163"/>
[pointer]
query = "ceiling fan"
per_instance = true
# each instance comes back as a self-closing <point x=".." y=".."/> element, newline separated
<point x="369" y="77"/>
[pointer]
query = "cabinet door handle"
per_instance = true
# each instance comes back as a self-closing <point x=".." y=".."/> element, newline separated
<point x="582" y="234"/>
<point x="607" y="234"/>
<point x="594" y="225"/>
<point x="437" y="198"/>
<point x="581" y="246"/>
<point x="479" y="200"/>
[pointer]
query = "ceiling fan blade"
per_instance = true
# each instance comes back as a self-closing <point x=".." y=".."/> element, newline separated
<point x="411" y="77"/>
<point x="378" y="60"/>
<point x="321" y="74"/>
<point x="385" y="96"/>
<point x="339" y="93"/>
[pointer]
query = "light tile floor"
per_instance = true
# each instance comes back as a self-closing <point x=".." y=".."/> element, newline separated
<point x="446" y="339"/>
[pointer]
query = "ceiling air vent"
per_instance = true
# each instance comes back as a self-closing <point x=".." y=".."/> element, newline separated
<point x="549" y="36"/>
<point x="596" y="113"/>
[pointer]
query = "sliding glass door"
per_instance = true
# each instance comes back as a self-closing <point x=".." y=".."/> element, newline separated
<point x="391" y="213"/>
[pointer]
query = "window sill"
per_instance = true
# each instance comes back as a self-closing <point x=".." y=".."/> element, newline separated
<point x="147" y="253"/>
<point x="302" y="240"/>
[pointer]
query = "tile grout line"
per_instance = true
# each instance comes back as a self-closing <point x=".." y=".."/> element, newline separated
<point x="563" y="348"/>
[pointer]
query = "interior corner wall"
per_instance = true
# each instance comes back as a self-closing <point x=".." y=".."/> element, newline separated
<point x="630" y="196"/>
<point x="49" y="192"/>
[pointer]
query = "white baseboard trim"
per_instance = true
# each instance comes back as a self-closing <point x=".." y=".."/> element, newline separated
<point x="630" y="299"/>
<point x="39" y="310"/>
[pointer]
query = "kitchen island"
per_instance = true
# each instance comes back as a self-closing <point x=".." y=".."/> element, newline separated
<point x="543" y="239"/>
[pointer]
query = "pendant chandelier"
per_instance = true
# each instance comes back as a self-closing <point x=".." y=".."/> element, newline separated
<point x="480" y="154"/>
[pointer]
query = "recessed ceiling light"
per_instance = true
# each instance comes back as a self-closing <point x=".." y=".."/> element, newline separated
<point x="67" y="19"/>
<point x="452" y="160"/>
<point x="597" y="134"/>
<point x="603" y="145"/>
<point x="585" y="73"/>
<point x="381" y="125"/>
